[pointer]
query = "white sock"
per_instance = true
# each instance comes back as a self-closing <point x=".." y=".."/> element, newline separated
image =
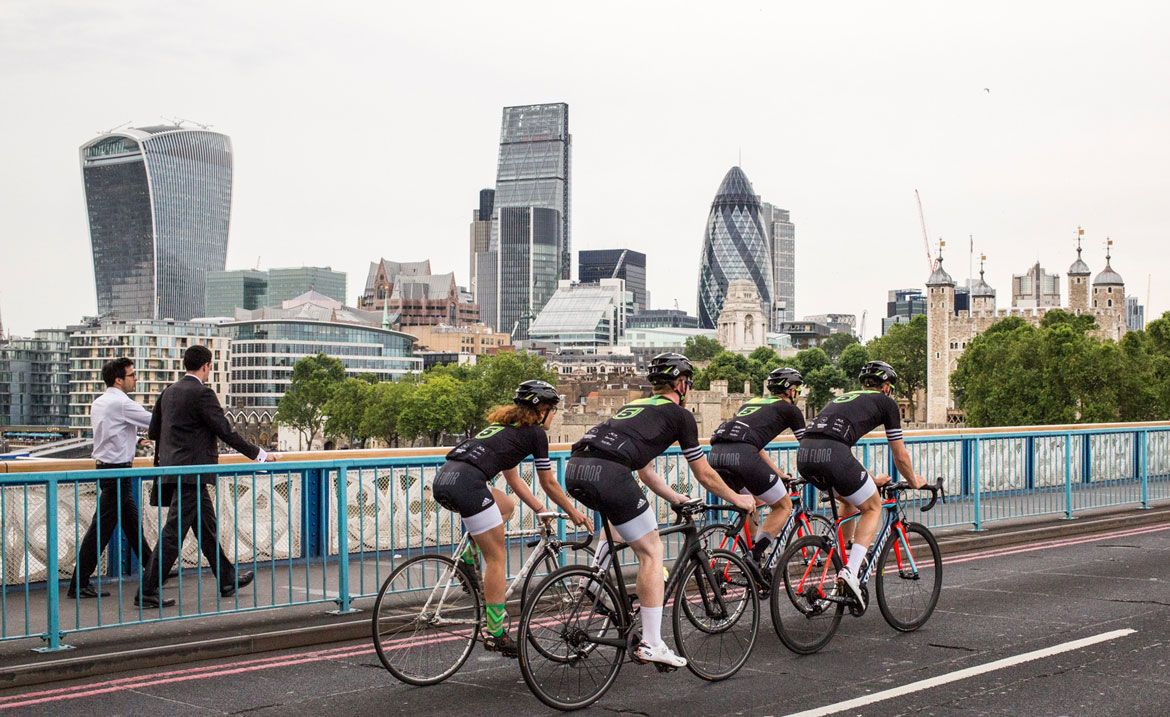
<point x="651" y="625"/>
<point x="856" y="555"/>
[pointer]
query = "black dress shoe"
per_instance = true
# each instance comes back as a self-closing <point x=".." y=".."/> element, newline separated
<point x="242" y="579"/>
<point x="152" y="601"/>
<point x="87" y="591"/>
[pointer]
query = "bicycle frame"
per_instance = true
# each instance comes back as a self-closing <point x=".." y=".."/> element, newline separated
<point x="797" y="518"/>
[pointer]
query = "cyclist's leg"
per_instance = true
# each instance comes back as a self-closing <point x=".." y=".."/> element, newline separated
<point x="871" y="512"/>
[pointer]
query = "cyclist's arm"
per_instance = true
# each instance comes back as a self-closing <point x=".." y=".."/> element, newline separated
<point x="713" y="482"/>
<point x="552" y="488"/>
<point x="658" y="486"/>
<point x="520" y="488"/>
<point x="902" y="461"/>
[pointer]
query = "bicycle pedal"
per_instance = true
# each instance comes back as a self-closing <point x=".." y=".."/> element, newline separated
<point x="664" y="668"/>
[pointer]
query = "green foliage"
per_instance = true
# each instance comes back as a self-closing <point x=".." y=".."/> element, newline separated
<point x="439" y="405"/>
<point x="347" y="406"/>
<point x="763" y="355"/>
<point x="1081" y="323"/>
<point x="836" y="343"/>
<point x="728" y="366"/>
<point x="380" y="417"/>
<point x="701" y="348"/>
<point x="904" y="348"/>
<point x="852" y="358"/>
<point x="1017" y="374"/>
<point x="302" y="407"/>
<point x="821" y="381"/>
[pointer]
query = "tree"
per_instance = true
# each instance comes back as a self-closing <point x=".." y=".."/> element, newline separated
<point x="821" y="382"/>
<point x="346" y="409"/>
<point x="439" y="405"/>
<point x="808" y="360"/>
<point x="380" y="416"/>
<point x="904" y="348"/>
<point x="701" y="348"/>
<point x="494" y="379"/>
<point x="764" y="354"/>
<point x="314" y="378"/>
<point x="852" y="358"/>
<point x="728" y="366"/>
<point x="836" y="343"/>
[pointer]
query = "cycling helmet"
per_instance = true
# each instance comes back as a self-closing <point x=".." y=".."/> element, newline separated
<point x="878" y="371"/>
<point x="783" y="378"/>
<point x="534" y="393"/>
<point x="665" y="368"/>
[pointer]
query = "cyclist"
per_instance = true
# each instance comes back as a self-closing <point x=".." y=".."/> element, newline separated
<point x="737" y="450"/>
<point x="515" y="432"/>
<point x="825" y="458"/>
<point x="598" y="475"/>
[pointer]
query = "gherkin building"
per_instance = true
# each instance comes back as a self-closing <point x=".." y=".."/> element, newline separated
<point x="735" y="246"/>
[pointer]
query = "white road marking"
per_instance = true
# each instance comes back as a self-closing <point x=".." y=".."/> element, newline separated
<point x="962" y="674"/>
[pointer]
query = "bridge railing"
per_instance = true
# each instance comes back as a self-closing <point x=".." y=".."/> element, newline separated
<point x="329" y="531"/>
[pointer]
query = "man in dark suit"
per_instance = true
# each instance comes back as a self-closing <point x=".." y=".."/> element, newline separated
<point x="186" y="425"/>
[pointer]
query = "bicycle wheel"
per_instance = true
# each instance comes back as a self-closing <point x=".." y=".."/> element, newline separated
<point x="817" y="525"/>
<point x="426" y="620"/>
<point x="722" y="611"/>
<point x="560" y="659"/>
<point x="550" y="563"/>
<point x="722" y="536"/>
<point x="807" y="575"/>
<point x="909" y="577"/>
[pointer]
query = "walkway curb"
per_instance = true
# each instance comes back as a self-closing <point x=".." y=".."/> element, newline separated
<point x="341" y="629"/>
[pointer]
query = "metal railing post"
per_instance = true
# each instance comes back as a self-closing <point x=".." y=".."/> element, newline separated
<point x="1143" y="456"/>
<point x="977" y="486"/>
<point x="560" y="523"/>
<point x="53" y="582"/>
<point x="343" y="606"/>
<point x="1068" y="515"/>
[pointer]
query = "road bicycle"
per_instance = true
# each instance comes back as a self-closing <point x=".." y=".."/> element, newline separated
<point x="429" y="611"/>
<point x="801" y="522"/>
<point x="578" y="627"/>
<point x="907" y="570"/>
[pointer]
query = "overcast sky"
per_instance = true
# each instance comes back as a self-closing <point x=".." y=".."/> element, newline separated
<point x="363" y="131"/>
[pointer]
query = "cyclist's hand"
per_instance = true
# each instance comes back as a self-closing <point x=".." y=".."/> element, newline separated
<point x="578" y="518"/>
<point x="881" y="480"/>
<point x="746" y="502"/>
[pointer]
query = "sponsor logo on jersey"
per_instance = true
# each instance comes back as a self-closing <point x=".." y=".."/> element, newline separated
<point x="489" y="432"/>
<point x="748" y="410"/>
<point x="847" y="397"/>
<point x="642" y="503"/>
<point x="627" y="412"/>
<point x="486" y="502"/>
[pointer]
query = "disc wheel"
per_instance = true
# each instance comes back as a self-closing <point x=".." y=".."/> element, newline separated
<point x="426" y="620"/>
<point x="803" y="614"/>
<point x="909" y="577"/>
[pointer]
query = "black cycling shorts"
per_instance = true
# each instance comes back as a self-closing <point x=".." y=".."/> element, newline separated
<point x="607" y="487"/>
<point x="462" y="488"/>
<point x="742" y="468"/>
<point x="826" y="463"/>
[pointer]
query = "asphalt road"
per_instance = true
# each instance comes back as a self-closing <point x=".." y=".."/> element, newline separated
<point x="1086" y="619"/>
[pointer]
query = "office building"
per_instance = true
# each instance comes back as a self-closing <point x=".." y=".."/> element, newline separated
<point x="1035" y="289"/>
<point x="805" y="334"/>
<point x="291" y="282"/>
<point x="474" y="339"/>
<point x="901" y="306"/>
<point x="518" y="277"/>
<point x="782" y="246"/>
<point x="1135" y="314"/>
<point x="408" y="294"/>
<point x="158" y="201"/>
<point x="593" y="265"/>
<point x="237" y="289"/>
<point x="662" y="318"/>
<point x="837" y="323"/>
<point x="582" y="316"/>
<point x="34" y="379"/>
<point x="735" y="246"/>
<point x="534" y="170"/>
<point x="267" y="343"/>
<point x="156" y="347"/>
<point x="481" y="232"/>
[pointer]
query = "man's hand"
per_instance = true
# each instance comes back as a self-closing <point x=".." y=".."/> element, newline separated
<point x="881" y="480"/>
<point x="578" y="518"/>
<point x="746" y="502"/>
<point x="270" y="458"/>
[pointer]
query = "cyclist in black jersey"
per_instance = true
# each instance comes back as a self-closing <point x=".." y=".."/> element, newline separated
<point x="825" y="458"/>
<point x="737" y="450"/>
<point x="599" y="475"/>
<point x="514" y="432"/>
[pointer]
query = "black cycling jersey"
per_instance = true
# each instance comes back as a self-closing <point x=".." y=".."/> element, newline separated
<point x="499" y="447"/>
<point x="759" y="421"/>
<point x="640" y="432"/>
<point x="851" y="415"/>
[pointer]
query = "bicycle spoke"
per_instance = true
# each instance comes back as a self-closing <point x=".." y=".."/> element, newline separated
<point x="909" y="577"/>
<point x="803" y="613"/>
<point x="721" y="615"/>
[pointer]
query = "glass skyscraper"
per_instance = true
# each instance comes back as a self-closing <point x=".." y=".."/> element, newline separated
<point x="735" y="246"/>
<point x="158" y="201"/>
<point x="534" y="169"/>
<point x="593" y="265"/>
<point x="516" y="280"/>
<point x="782" y="241"/>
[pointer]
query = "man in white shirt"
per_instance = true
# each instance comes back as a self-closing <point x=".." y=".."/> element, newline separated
<point x="116" y="419"/>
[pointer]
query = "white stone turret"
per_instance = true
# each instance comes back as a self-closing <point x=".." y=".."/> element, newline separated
<point x="940" y="307"/>
<point x="1078" y="282"/>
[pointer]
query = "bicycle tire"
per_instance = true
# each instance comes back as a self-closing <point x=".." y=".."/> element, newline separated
<point x="550" y="565"/>
<point x="821" y="526"/>
<point x="722" y="536"/>
<point x="405" y="635"/>
<point x="716" y="634"/>
<point x="551" y="625"/>
<point x="904" y="603"/>
<point x="801" y="616"/>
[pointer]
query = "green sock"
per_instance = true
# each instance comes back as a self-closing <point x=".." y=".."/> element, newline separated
<point x="470" y="554"/>
<point x="495" y="619"/>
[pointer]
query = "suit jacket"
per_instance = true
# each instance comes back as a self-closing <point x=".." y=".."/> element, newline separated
<point x="186" y="425"/>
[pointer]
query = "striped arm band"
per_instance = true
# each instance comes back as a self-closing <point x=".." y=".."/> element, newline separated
<point x="893" y="434"/>
<point x="692" y="454"/>
<point x="543" y="464"/>
<point x="799" y="433"/>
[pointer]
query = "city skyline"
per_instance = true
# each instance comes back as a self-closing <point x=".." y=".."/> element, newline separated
<point x="1066" y="133"/>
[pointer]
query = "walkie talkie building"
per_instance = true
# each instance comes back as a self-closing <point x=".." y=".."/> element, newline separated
<point x="158" y="201"/>
<point x="735" y="246"/>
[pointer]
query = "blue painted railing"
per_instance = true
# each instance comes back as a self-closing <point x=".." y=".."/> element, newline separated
<point x="330" y="531"/>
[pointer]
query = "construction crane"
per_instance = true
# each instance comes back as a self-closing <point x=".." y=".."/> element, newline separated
<point x="861" y="333"/>
<point x="925" y="240"/>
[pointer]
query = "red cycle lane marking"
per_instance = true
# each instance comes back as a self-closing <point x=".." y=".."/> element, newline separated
<point x="253" y="665"/>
